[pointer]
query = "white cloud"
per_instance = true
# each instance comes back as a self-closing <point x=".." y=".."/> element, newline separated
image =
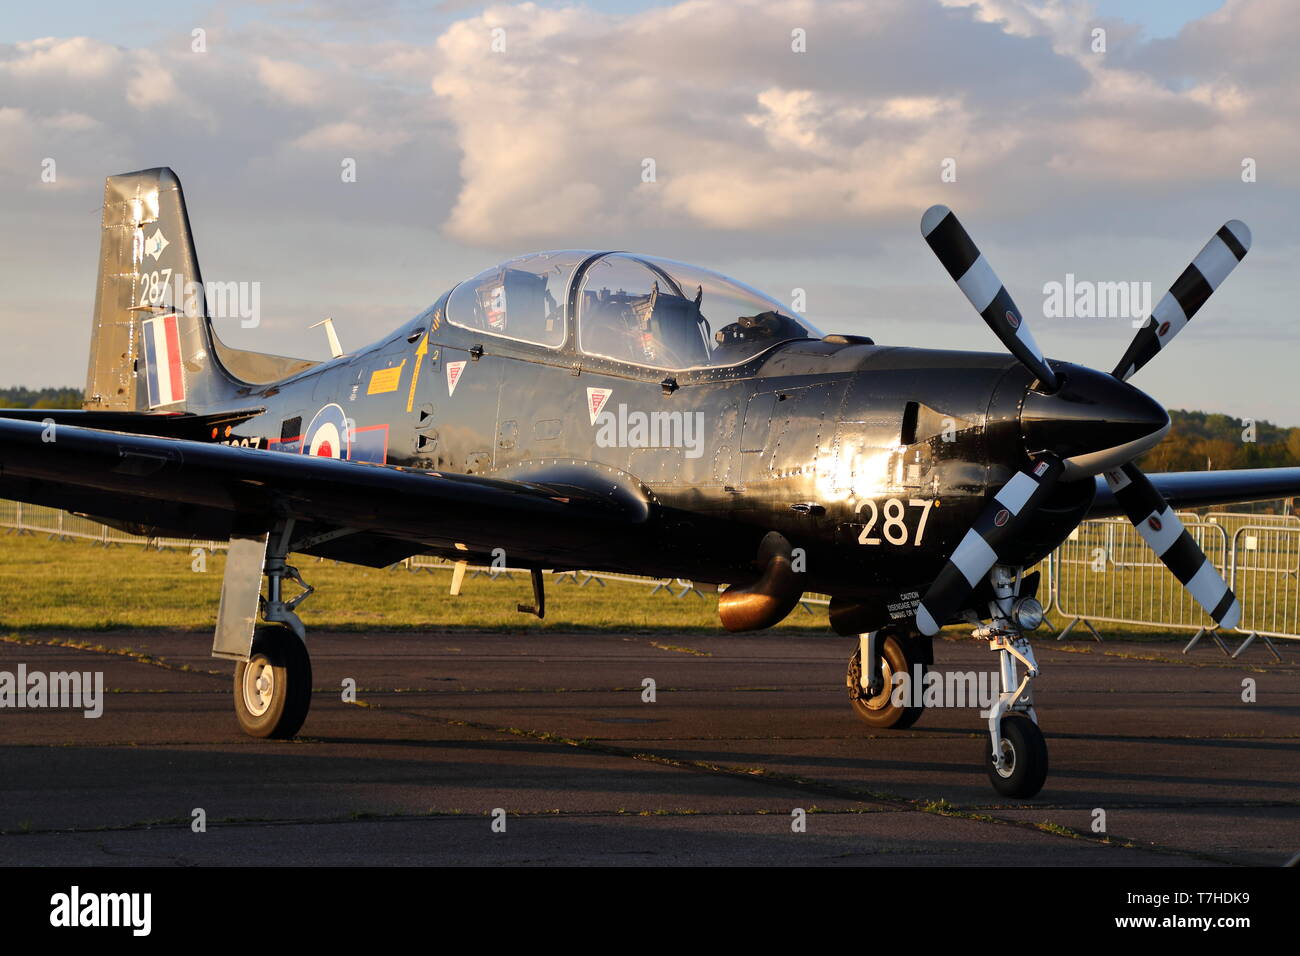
<point x="748" y="135"/>
<point x="290" y="82"/>
<point x="79" y="58"/>
<point x="151" y="85"/>
<point x="348" y="137"/>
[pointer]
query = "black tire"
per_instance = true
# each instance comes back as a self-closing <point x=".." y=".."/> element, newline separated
<point x="880" y="712"/>
<point x="1023" y="744"/>
<point x="273" y="688"/>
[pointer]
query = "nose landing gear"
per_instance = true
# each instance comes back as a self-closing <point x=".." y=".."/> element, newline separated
<point x="1017" y="759"/>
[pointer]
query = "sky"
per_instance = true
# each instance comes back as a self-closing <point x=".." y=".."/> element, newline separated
<point x="788" y="169"/>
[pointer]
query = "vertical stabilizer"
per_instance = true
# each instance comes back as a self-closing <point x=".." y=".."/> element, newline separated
<point x="149" y="344"/>
<point x="152" y="346"/>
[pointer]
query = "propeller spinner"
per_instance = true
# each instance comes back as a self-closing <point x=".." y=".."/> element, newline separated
<point x="1077" y="422"/>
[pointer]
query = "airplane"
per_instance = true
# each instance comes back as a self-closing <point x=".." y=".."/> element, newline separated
<point x="617" y="412"/>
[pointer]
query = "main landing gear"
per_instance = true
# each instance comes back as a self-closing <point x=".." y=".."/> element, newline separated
<point x="273" y="687"/>
<point x="872" y="686"/>
<point x="273" y="677"/>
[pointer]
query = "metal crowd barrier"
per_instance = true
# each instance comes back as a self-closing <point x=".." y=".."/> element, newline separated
<point x="1106" y="573"/>
<point x="1103" y="574"/>
<point x="21" y="518"/>
<point x="1230" y="522"/>
<point x="1266" y="579"/>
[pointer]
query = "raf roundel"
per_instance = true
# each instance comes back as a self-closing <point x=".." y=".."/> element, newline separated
<point x="328" y="435"/>
<point x="1013" y="320"/>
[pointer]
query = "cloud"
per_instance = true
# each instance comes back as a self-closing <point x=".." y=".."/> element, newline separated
<point x="747" y="134"/>
<point x="290" y="82"/>
<point x="348" y="137"/>
<point x="260" y="108"/>
<point x="152" y="85"/>
<point x="76" y="58"/>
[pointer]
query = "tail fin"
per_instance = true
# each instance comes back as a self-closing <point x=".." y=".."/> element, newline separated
<point x="152" y="345"/>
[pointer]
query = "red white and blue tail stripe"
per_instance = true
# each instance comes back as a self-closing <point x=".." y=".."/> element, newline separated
<point x="162" y="356"/>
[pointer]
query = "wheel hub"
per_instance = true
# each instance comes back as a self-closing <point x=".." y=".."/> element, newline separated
<point x="1008" y="765"/>
<point x="259" y="686"/>
<point x="881" y="700"/>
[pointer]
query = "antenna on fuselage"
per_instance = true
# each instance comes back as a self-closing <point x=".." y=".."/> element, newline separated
<point x="335" y="349"/>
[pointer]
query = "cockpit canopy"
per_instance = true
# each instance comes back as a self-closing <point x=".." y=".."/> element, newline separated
<point x="522" y="299"/>
<point x="630" y="308"/>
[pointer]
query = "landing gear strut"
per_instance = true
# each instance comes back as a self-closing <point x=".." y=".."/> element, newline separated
<point x="272" y="689"/>
<point x="1017" y="759"/>
<point x="878" y="657"/>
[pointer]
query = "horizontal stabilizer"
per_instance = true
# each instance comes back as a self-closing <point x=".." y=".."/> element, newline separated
<point x="159" y="424"/>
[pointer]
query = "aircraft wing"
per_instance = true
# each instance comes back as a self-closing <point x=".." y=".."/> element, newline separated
<point x="208" y="486"/>
<point x="1195" y="489"/>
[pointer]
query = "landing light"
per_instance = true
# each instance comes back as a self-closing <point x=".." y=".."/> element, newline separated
<point x="1027" y="613"/>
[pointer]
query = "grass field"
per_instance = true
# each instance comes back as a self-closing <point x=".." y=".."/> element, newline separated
<point x="49" y="584"/>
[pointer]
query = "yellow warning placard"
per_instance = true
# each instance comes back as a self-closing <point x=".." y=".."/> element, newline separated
<point x="385" y="379"/>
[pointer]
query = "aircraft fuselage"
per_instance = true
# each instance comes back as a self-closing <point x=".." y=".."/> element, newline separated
<point x="872" y="459"/>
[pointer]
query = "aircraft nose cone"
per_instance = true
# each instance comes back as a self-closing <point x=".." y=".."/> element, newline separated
<point x="1093" y="421"/>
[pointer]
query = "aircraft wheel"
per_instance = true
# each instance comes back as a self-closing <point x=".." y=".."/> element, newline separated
<point x="1025" y="751"/>
<point x="273" y="688"/>
<point x="880" y="711"/>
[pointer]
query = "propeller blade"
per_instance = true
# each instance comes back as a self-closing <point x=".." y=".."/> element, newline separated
<point x="984" y="290"/>
<point x="1000" y="522"/>
<point x="1185" y="297"/>
<point x="1167" y="537"/>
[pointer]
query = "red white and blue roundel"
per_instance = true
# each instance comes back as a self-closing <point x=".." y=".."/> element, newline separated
<point x="328" y="435"/>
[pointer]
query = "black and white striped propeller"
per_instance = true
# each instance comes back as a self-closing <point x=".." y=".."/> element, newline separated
<point x="1002" y="519"/>
<point x="984" y="290"/>
<point x="1185" y="297"/>
<point x="1160" y="527"/>
<point x="1013" y="506"/>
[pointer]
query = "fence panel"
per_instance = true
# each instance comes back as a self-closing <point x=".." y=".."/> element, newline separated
<point x="1266" y="579"/>
<point x="1106" y="572"/>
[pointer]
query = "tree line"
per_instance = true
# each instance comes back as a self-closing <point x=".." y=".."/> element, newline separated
<point x="1209" y="441"/>
<point x="40" y="397"/>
